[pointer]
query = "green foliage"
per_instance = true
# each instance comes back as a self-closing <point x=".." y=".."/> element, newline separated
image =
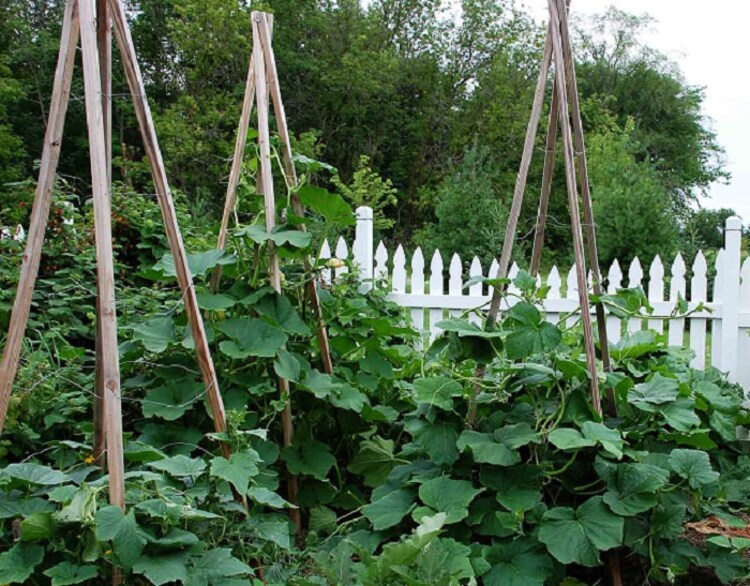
<point x="630" y="200"/>
<point x="367" y="188"/>
<point x="468" y="209"/>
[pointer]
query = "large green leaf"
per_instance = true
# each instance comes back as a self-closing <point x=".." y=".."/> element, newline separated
<point x="36" y="527"/>
<point x="112" y="524"/>
<point x="250" y="337"/>
<point x="219" y="563"/>
<point x="486" y="450"/>
<point x="449" y="496"/>
<point x="279" y="235"/>
<point x="577" y="536"/>
<point x="66" y="573"/>
<point x="633" y="488"/>
<point x="374" y="461"/>
<point x="518" y="488"/>
<point x="437" y="391"/>
<point x="281" y="312"/>
<point x="35" y="474"/>
<point x="310" y="457"/>
<point x="531" y="334"/>
<point x="18" y="563"/>
<point x="163" y="569"/>
<point x="215" y="301"/>
<point x="180" y="466"/>
<point x="694" y="466"/>
<point x="658" y="390"/>
<point x="438" y="440"/>
<point x="635" y="345"/>
<point x="517" y="563"/>
<point x="591" y="434"/>
<point x="287" y="366"/>
<point x="238" y="469"/>
<point x="199" y="263"/>
<point x="171" y="400"/>
<point x="390" y="509"/>
<point x="679" y="414"/>
<point x="330" y="205"/>
<point x="155" y="334"/>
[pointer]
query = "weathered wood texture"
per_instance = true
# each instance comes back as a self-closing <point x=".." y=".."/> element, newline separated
<point x="166" y="203"/>
<point x="107" y="316"/>
<point x="40" y="210"/>
<point x="267" y="190"/>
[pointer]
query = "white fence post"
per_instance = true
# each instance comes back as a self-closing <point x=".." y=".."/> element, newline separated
<point x="730" y="298"/>
<point x="364" y="246"/>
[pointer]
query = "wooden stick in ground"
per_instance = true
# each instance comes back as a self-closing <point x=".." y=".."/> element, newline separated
<point x="291" y="173"/>
<point x="166" y="203"/>
<point x="110" y="363"/>
<point x="104" y="44"/>
<point x="549" y="168"/>
<point x="575" y="218"/>
<point x="520" y="188"/>
<point x="234" y="175"/>
<point x="586" y="199"/>
<point x="40" y="210"/>
<point x="515" y="211"/>
<point x="265" y="171"/>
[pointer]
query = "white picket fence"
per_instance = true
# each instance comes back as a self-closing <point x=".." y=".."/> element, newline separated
<point x="719" y="336"/>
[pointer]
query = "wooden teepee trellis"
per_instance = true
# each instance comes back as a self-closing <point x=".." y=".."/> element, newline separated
<point x="564" y="112"/>
<point x="93" y="20"/>
<point x="263" y="83"/>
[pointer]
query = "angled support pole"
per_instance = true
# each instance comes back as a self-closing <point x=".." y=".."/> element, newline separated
<point x="274" y="91"/>
<point x="265" y="185"/>
<point x="107" y="316"/>
<point x="166" y="203"/>
<point x="586" y="199"/>
<point x="104" y="45"/>
<point x="291" y="173"/>
<point x="40" y="210"/>
<point x="565" y="107"/>
<point x="575" y="214"/>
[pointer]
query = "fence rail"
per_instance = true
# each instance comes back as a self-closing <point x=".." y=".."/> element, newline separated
<point x="429" y="292"/>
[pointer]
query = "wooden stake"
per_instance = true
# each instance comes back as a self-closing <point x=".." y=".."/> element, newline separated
<point x="588" y="212"/>
<point x="291" y="173"/>
<point x="575" y="214"/>
<point x="515" y="212"/>
<point x="549" y="168"/>
<point x="265" y="171"/>
<point x="104" y="45"/>
<point x="234" y="175"/>
<point x="40" y="210"/>
<point x="166" y="203"/>
<point x="520" y="188"/>
<point x="110" y="365"/>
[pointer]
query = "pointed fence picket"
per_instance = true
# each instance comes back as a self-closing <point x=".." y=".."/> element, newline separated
<point x="430" y="294"/>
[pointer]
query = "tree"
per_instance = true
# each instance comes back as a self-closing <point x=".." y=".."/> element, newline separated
<point x="638" y="83"/>
<point x="468" y="210"/>
<point x="632" y="208"/>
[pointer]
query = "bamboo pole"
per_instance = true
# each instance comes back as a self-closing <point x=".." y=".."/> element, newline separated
<point x="549" y="168"/>
<point x="40" y="210"/>
<point x="575" y="214"/>
<point x="104" y="45"/>
<point x="291" y="173"/>
<point x="515" y="211"/>
<point x="586" y="199"/>
<point x="265" y="171"/>
<point x="240" y="144"/>
<point x="166" y="203"/>
<point x="110" y="363"/>
<point x="523" y="173"/>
